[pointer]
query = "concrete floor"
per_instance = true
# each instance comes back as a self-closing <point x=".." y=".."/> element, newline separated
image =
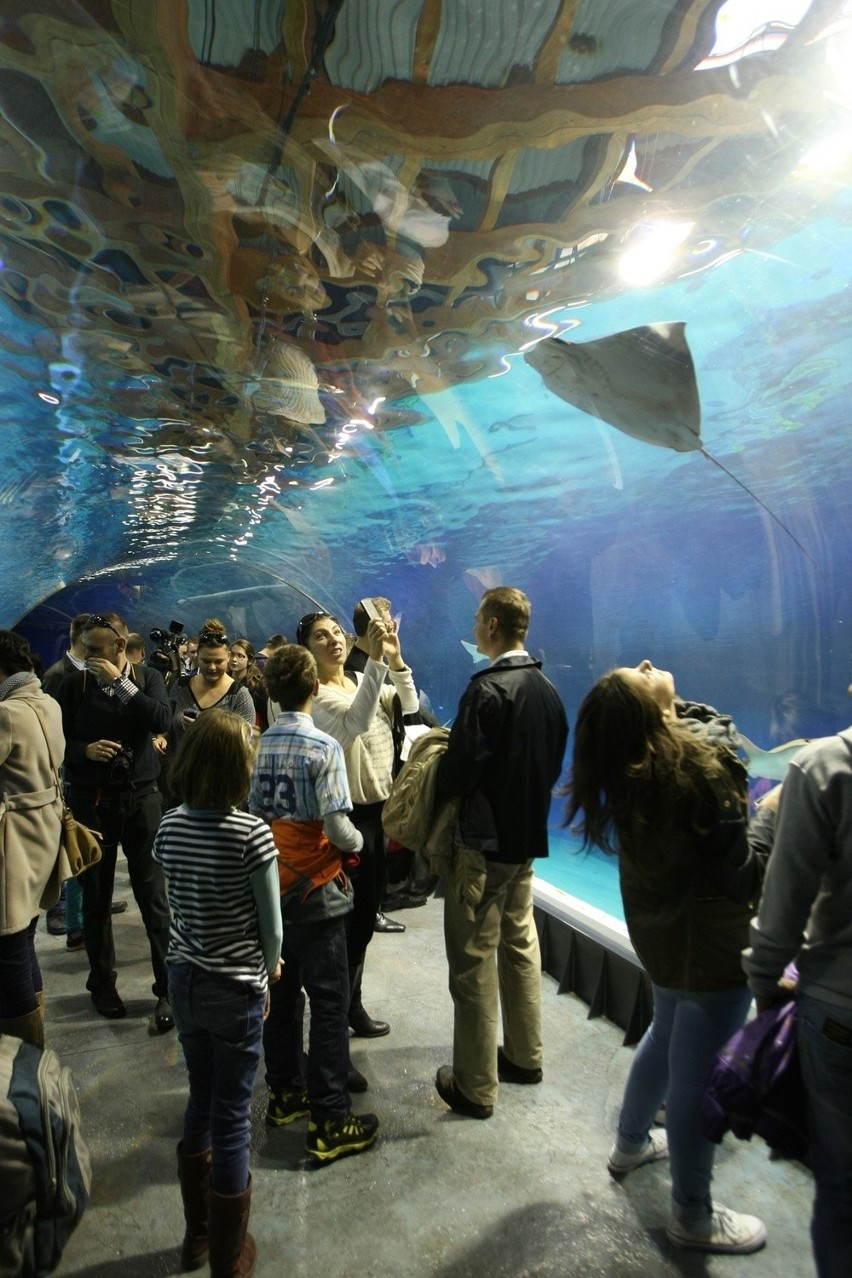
<point x="524" y="1195"/>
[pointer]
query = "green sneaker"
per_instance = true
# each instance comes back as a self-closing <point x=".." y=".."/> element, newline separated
<point x="286" y="1106"/>
<point x="333" y="1137"/>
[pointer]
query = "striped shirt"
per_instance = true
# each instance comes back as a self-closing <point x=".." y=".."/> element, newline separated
<point x="208" y="858"/>
<point x="299" y="773"/>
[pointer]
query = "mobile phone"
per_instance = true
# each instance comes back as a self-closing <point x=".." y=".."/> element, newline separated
<point x="371" y="610"/>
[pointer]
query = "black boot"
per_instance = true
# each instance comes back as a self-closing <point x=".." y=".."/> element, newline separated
<point x="232" y="1249"/>
<point x="194" y="1177"/>
<point x="360" y="1021"/>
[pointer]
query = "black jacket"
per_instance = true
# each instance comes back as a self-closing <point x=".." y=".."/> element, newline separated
<point x="89" y="714"/>
<point x="52" y="678"/>
<point x="503" y="757"/>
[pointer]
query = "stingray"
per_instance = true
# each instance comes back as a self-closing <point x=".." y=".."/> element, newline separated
<point x="642" y="381"/>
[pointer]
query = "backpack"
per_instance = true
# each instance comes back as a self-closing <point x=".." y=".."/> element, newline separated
<point x="755" y="1085"/>
<point x="408" y="813"/>
<point x="45" y="1168"/>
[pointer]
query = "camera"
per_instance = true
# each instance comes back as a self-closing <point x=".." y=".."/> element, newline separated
<point x="165" y="656"/>
<point x="121" y="764"/>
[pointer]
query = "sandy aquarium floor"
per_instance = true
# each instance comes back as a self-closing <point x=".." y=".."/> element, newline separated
<point x="524" y="1195"/>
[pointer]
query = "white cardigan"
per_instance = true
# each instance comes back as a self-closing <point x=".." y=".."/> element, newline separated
<point x="353" y="719"/>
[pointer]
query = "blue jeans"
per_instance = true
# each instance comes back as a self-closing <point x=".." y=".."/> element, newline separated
<point x="671" y="1064"/>
<point x="825" y="1043"/>
<point x="314" y="956"/>
<point x="219" y="1023"/>
<point x="73" y="905"/>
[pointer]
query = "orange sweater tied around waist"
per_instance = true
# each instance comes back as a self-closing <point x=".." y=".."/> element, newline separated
<point x="305" y="855"/>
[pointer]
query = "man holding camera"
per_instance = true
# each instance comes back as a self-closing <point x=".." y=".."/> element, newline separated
<point x="110" y="710"/>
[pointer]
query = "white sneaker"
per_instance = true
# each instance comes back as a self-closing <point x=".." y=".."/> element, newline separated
<point x="723" y="1230"/>
<point x="656" y="1147"/>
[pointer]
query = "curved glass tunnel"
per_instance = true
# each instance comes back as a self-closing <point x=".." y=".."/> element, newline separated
<point x="274" y="302"/>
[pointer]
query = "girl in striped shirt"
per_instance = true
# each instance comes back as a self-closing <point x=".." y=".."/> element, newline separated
<point x="224" y="947"/>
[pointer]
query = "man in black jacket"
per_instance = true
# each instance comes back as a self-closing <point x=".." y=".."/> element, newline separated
<point x="109" y="712"/>
<point x="503" y="758"/>
<point x="73" y="659"/>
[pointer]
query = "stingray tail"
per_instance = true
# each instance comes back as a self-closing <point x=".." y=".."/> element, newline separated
<point x="763" y="505"/>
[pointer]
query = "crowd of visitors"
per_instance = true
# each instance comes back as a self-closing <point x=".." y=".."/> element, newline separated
<point x="246" y="790"/>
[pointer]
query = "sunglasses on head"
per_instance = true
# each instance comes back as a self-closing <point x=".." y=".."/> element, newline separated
<point x="303" y="629"/>
<point x="98" y="622"/>
<point x="212" y="639"/>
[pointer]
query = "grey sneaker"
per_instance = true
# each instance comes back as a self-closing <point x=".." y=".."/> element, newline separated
<point x="656" y="1147"/>
<point x="723" y="1231"/>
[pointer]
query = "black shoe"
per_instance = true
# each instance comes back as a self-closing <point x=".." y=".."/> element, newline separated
<point x="108" y="1003"/>
<point x="355" y="1080"/>
<point x="56" y="920"/>
<point x="448" y="1090"/>
<point x="333" y="1137"/>
<point x="509" y="1072"/>
<point x="402" y="901"/>
<point x="163" y="1019"/>
<point x="363" y="1026"/>
<point x="384" y="924"/>
<point x="118" y="907"/>
<point x="285" y="1105"/>
<point x="423" y="887"/>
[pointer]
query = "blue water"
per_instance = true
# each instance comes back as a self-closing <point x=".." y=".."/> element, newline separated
<point x="626" y="550"/>
<point x="589" y="875"/>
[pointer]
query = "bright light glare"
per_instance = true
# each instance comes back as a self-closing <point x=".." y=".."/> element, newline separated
<point x="652" y="255"/>
<point x="838" y="53"/>
<point x="826" y="156"/>
<point x="741" y="28"/>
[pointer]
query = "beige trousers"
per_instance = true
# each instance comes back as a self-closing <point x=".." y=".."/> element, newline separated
<point x="495" y="965"/>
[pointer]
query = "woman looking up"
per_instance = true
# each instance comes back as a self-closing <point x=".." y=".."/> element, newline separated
<point x="244" y="670"/>
<point x="672" y="804"/>
<point x="358" y="711"/>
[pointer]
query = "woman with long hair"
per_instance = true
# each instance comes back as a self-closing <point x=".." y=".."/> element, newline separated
<point x="243" y="669"/>
<point x="671" y="803"/>
<point x="224" y="947"/>
<point x="358" y="711"/>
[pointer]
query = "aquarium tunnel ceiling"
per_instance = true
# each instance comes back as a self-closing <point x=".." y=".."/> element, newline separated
<point x="305" y="300"/>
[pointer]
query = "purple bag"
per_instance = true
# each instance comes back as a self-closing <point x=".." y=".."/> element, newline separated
<point x="755" y="1085"/>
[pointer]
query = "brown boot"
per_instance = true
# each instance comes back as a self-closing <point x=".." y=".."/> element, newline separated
<point x="194" y="1177"/>
<point x="29" y="1027"/>
<point x="232" y="1249"/>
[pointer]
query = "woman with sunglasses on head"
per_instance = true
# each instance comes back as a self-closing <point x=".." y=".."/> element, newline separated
<point x="671" y="802"/>
<point x="243" y="669"/>
<point x="357" y="710"/>
<point x="210" y="686"/>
